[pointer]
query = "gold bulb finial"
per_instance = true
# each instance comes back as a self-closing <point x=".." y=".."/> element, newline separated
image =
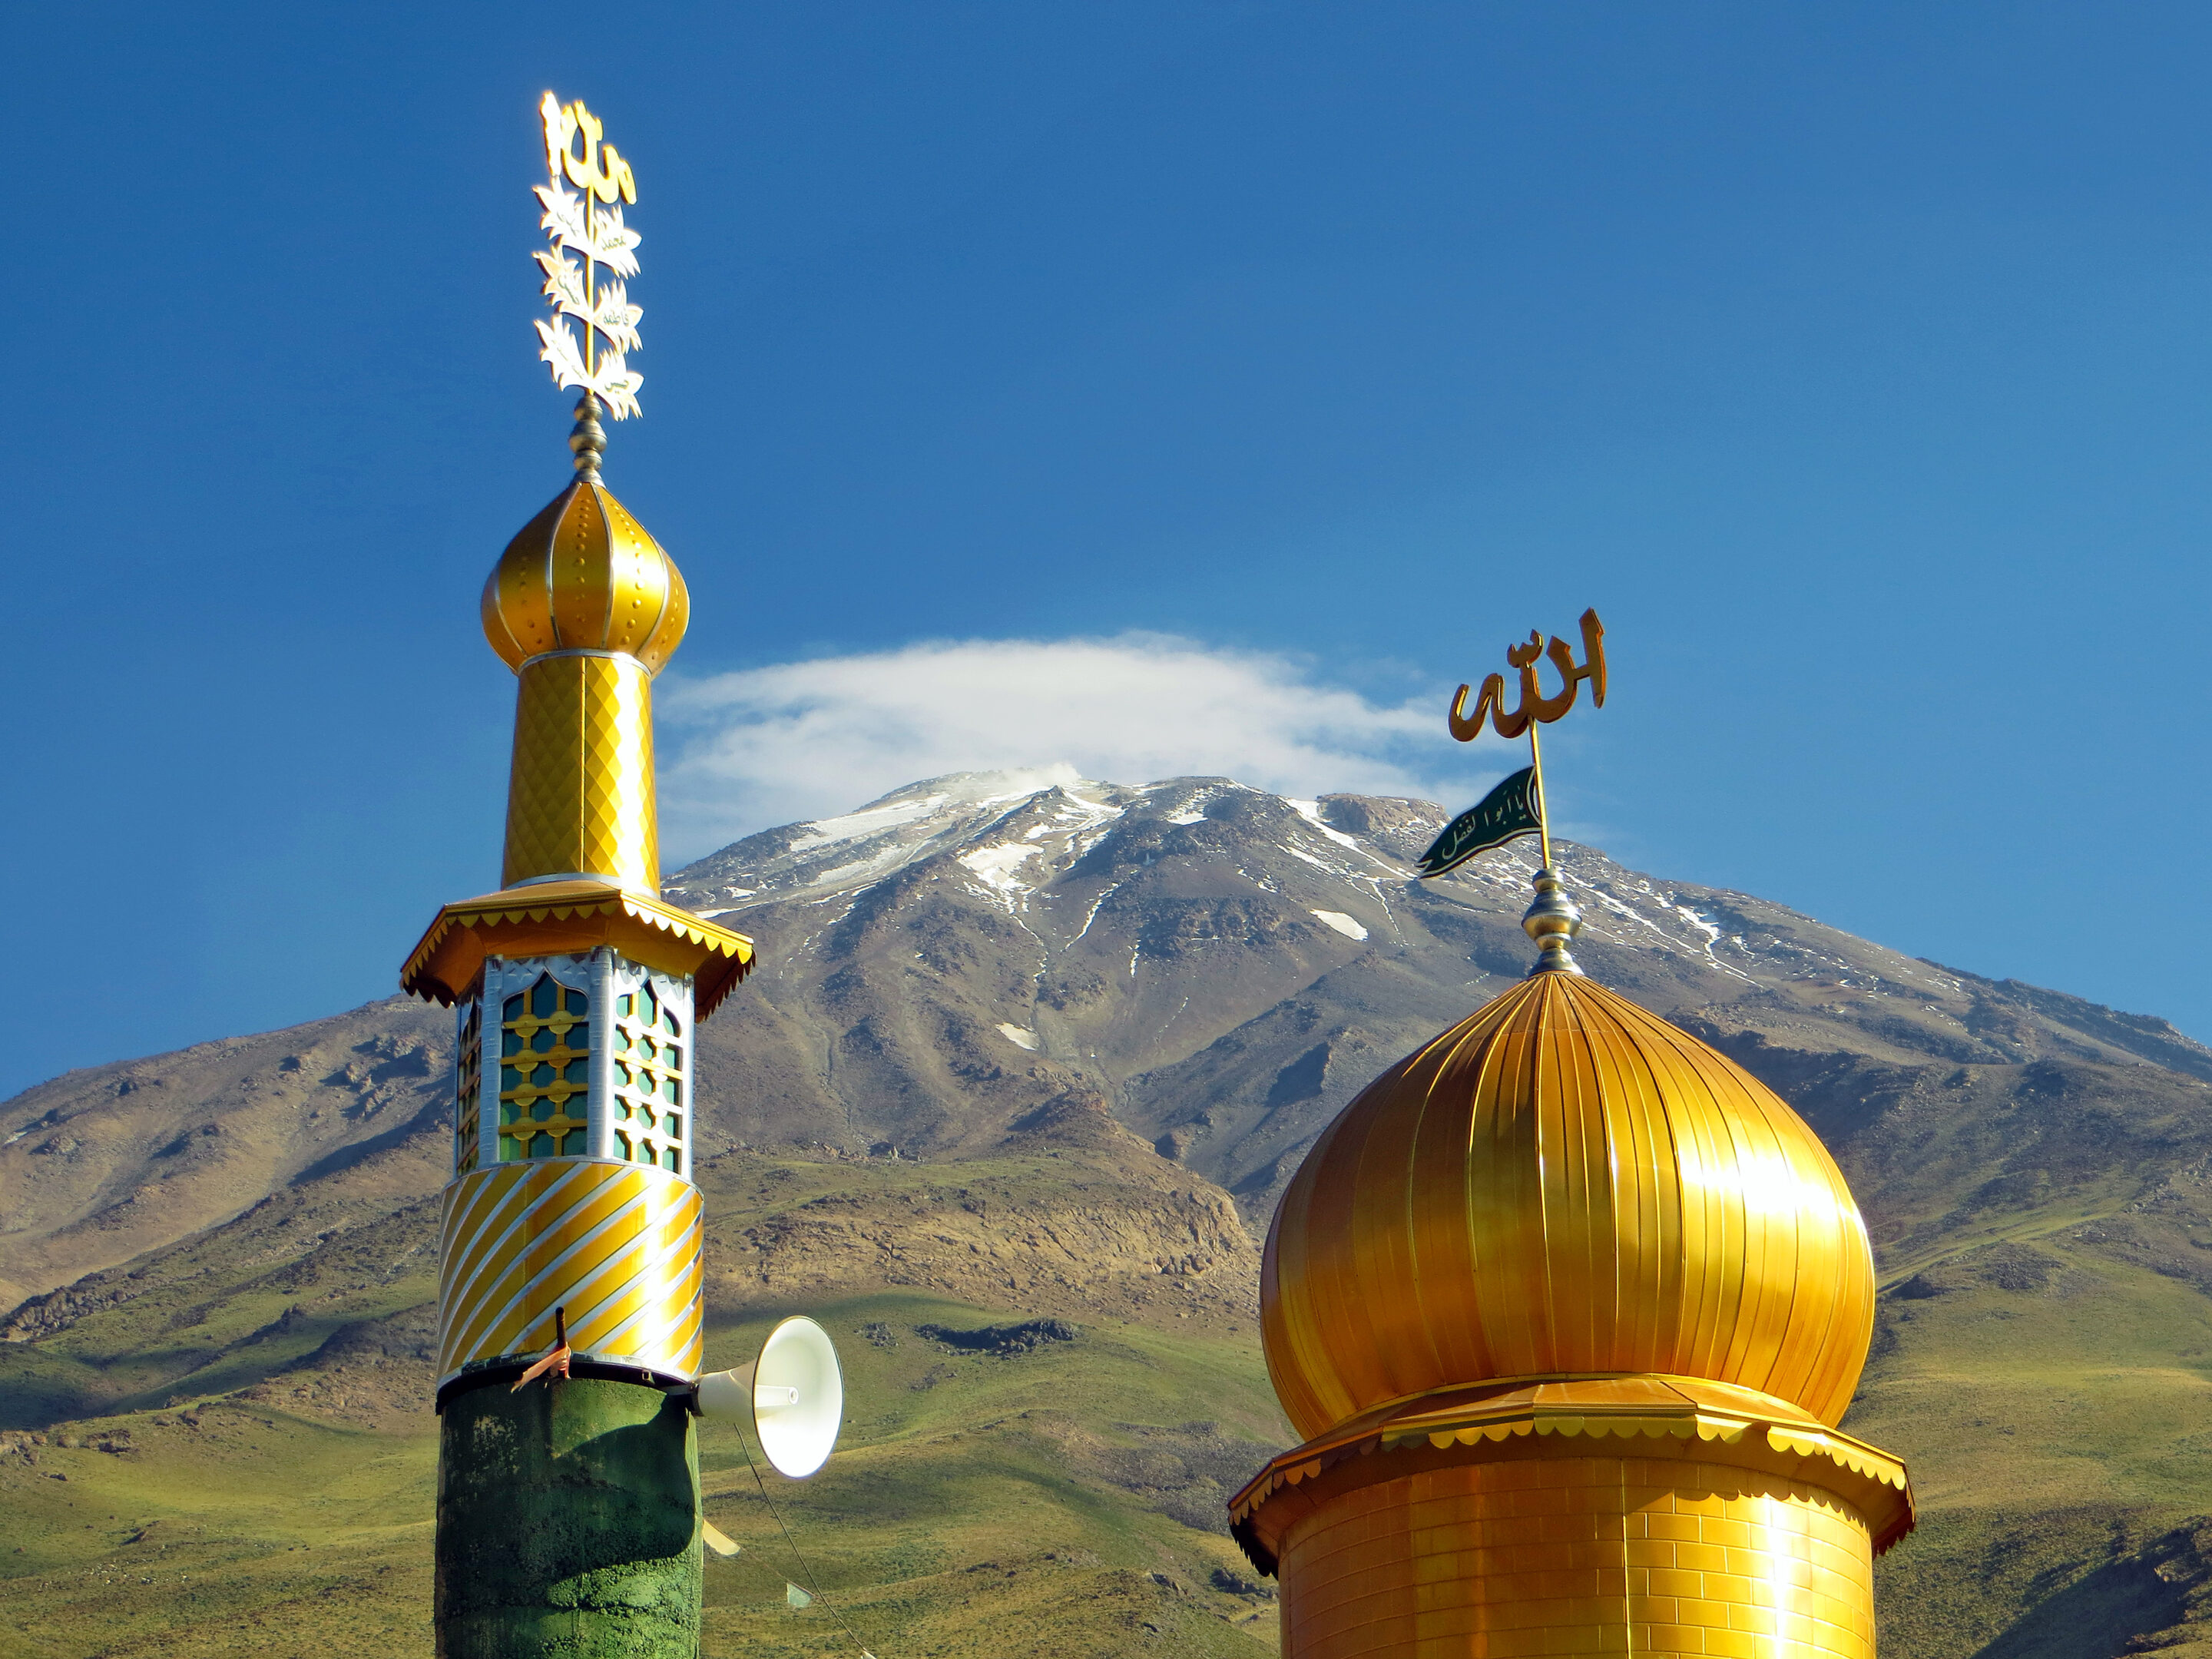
<point x="583" y="606"/>
<point x="586" y="608"/>
<point x="1552" y="921"/>
<point x="587" y="438"/>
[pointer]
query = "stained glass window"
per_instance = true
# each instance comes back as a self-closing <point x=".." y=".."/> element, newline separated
<point x="649" y="1078"/>
<point x="541" y="1115"/>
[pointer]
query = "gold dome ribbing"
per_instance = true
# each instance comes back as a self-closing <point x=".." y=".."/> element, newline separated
<point x="1567" y="1307"/>
<point x="1565" y="1184"/>
<point x="585" y="575"/>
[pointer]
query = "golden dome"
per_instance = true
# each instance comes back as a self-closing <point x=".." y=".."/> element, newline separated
<point x="1564" y="1185"/>
<point x="585" y="575"/>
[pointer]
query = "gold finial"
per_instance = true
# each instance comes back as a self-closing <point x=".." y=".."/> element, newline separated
<point x="587" y="438"/>
<point x="588" y="220"/>
<point x="586" y="608"/>
<point x="1516" y="807"/>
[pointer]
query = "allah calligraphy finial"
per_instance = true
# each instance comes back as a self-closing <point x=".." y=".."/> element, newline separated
<point x="1535" y="709"/>
<point x="587" y="222"/>
<point x="1516" y="807"/>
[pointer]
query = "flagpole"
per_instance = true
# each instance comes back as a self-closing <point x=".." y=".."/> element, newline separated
<point x="1543" y="817"/>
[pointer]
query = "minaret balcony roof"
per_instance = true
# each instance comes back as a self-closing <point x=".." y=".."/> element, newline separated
<point x="570" y="918"/>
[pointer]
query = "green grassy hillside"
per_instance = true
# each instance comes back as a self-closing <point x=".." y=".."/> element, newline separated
<point x="1034" y="1501"/>
<point x="246" y="1455"/>
<point x="230" y="1449"/>
<point x="2056" y="1407"/>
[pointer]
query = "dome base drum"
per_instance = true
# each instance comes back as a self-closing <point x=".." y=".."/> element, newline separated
<point x="1568" y="1307"/>
<point x="1590" y="1547"/>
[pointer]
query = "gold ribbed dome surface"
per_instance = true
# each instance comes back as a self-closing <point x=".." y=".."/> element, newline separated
<point x="585" y="575"/>
<point x="1564" y="1184"/>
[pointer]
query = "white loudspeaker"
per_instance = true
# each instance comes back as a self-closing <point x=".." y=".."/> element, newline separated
<point x="793" y="1393"/>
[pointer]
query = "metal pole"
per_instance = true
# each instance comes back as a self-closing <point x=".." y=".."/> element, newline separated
<point x="1543" y="816"/>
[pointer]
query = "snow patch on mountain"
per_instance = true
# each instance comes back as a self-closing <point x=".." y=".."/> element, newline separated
<point x="1311" y="812"/>
<point x="868" y="820"/>
<point x="997" y="864"/>
<point x="1040" y="844"/>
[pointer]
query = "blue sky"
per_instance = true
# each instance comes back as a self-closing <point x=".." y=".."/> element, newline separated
<point x="1853" y="361"/>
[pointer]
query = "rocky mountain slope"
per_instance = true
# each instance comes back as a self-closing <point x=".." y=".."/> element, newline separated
<point x="102" y="1164"/>
<point x="1229" y="966"/>
<point x="1018" y="1055"/>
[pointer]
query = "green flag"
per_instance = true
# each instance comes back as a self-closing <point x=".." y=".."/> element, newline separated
<point x="1507" y="811"/>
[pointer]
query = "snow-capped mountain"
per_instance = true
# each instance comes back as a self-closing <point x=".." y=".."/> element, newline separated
<point x="1227" y="967"/>
<point x="1219" y="968"/>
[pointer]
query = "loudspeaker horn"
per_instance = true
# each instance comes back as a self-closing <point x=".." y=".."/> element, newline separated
<point x="793" y="1393"/>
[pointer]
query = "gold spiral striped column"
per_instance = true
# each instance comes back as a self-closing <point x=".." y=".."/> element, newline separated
<point x="617" y="1245"/>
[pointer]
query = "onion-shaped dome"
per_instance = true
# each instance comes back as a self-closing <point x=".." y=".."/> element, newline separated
<point x="1564" y="1185"/>
<point x="585" y="575"/>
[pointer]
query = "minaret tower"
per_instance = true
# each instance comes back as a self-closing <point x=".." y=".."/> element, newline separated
<point x="1567" y="1307"/>
<point x="569" y="1503"/>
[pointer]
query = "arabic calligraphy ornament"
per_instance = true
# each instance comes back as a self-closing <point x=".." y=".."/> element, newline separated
<point x="1534" y="707"/>
<point x="1516" y="807"/>
<point x="587" y="222"/>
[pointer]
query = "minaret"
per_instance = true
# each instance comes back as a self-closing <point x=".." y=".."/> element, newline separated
<point x="568" y="1506"/>
<point x="1568" y="1306"/>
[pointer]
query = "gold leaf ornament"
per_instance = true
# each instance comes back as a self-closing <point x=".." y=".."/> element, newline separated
<point x="587" y="221"/>
<point x="564" y="281"/>
<point x="614" y="316"/>
<point x="557" y="343"/>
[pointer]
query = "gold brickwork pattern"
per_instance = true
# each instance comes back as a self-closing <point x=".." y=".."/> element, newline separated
<point x="1556" y="1556"/>
<point x="579" y="795"/>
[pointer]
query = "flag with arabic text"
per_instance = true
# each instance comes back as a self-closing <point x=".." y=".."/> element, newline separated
<point x="1505" y="813"/>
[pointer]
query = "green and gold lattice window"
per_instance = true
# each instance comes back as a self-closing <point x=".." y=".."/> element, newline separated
<point x="649" y="1105"/>
<point x="468" y="1091"/>
<point x="544" y="1071"/>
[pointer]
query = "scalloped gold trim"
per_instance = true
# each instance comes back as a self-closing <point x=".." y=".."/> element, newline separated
<point x="1615" y="1405"/>
<point x="555" y="918"/>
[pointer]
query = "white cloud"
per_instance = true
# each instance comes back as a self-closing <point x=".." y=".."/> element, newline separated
<point x="807" y="739"/>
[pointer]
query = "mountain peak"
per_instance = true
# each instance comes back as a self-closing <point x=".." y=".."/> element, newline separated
<point x="1225" y="966"/>
<point x="1222" y="967"/>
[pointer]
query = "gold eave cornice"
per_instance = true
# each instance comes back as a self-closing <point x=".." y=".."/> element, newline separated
<point x="1461" y="1424"/>
<point x="558" y="918"/>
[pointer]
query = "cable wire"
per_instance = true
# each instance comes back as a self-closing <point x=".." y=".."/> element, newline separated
<point x="813" y="1585"/>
